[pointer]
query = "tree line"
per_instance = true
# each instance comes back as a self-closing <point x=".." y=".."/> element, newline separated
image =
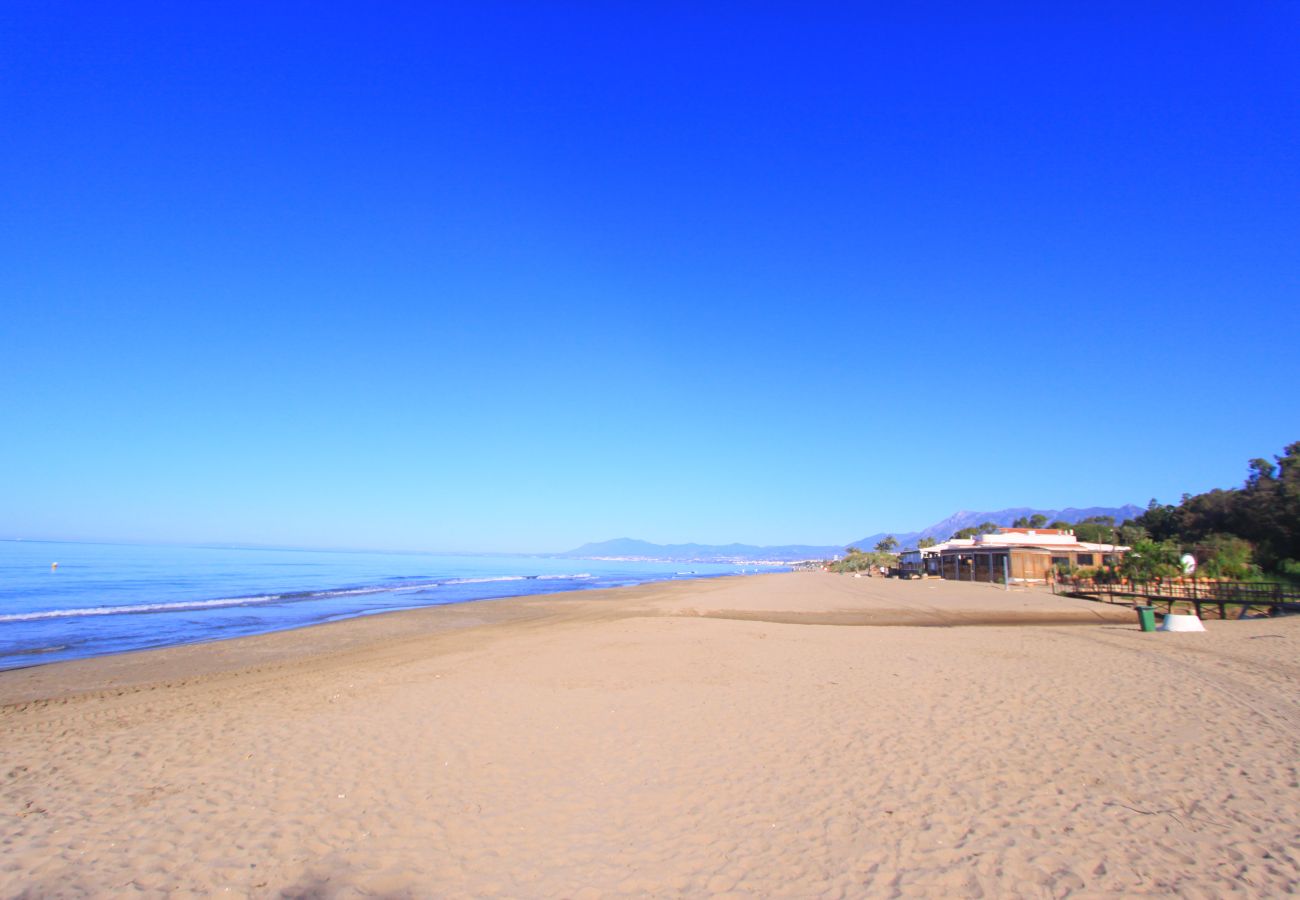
<point x="859" y="560"/>
<point x="1244" y="532"/>
<point x="1097" y="529"/>
<point x="1236" y="533"/>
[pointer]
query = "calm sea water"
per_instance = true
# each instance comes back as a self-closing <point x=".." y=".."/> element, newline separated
<point x="108" y="598"/>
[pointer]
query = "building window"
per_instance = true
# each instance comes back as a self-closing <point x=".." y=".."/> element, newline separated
<point x="1060" y="560"/>
<point x="1085" y="559"/>
<point x="1109" y="559"/>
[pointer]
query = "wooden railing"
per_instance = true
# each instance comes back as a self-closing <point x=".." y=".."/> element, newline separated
<point x="1197" y="592"/>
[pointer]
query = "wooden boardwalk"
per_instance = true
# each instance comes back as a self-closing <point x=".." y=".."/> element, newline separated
<point x="1243" y="596"/>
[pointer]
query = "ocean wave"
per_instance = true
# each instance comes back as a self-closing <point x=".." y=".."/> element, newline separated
<point x="36" y="651"/>
<point x="489" y="580"/>
<point x="218" y="603"/>
<point x="485" y="580"/>
<point x="266" y="599"/>
<point x="136" y="608"/>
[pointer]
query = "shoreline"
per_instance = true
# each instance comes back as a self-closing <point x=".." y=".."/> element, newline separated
<point x="115" y="598"/>
<point x="320" y="641"/>
<point x="669" y="740"/>
<point x="109" y="599"/>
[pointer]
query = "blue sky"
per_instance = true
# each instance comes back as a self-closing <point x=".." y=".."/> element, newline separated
<point x="518" y="276"/>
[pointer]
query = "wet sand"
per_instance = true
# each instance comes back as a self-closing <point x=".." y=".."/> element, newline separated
<point x="750" y="737"/>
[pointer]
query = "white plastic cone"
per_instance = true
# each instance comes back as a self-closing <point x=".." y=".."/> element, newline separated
<point x="1181" y="622"/>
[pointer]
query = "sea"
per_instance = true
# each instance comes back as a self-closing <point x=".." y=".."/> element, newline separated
<point x="61" y="601"/>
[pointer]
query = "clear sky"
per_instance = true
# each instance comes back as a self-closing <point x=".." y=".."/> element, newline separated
<point x="485" y="276"/>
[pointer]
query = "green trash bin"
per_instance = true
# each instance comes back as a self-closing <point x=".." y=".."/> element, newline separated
<point x="1147" y="617"/>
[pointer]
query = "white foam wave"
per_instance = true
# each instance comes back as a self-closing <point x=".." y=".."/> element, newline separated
<point x="288" y="597"/>
<point x="137" y="608"/>
<point x="180" y="605"/>
<point x="484" y="580"/>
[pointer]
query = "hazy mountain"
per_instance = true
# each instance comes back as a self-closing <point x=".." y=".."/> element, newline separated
<point x="630" y="548"/>
<point x="941" y="531"/>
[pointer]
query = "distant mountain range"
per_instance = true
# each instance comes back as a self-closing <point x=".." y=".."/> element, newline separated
<point x="629" y="548"/>
<point x="941" y="531"/>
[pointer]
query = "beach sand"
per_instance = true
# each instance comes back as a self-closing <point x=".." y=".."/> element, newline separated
<point x="754" y="736"/>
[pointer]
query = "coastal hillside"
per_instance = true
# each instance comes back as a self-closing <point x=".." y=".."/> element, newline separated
<point x="630" y="548"/>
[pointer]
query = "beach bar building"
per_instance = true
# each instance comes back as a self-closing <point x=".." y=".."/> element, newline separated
<point x="1023" y="555"/>
<point x="926" y="560"/>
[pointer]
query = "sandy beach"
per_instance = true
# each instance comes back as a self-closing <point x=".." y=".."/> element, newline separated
<point x="788" y="735"/>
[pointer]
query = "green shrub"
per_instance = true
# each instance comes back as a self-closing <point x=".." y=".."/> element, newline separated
<point x="1225" y="556"/>
<point x="1288" y="570"/>
<point x="1151" y="559"/>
